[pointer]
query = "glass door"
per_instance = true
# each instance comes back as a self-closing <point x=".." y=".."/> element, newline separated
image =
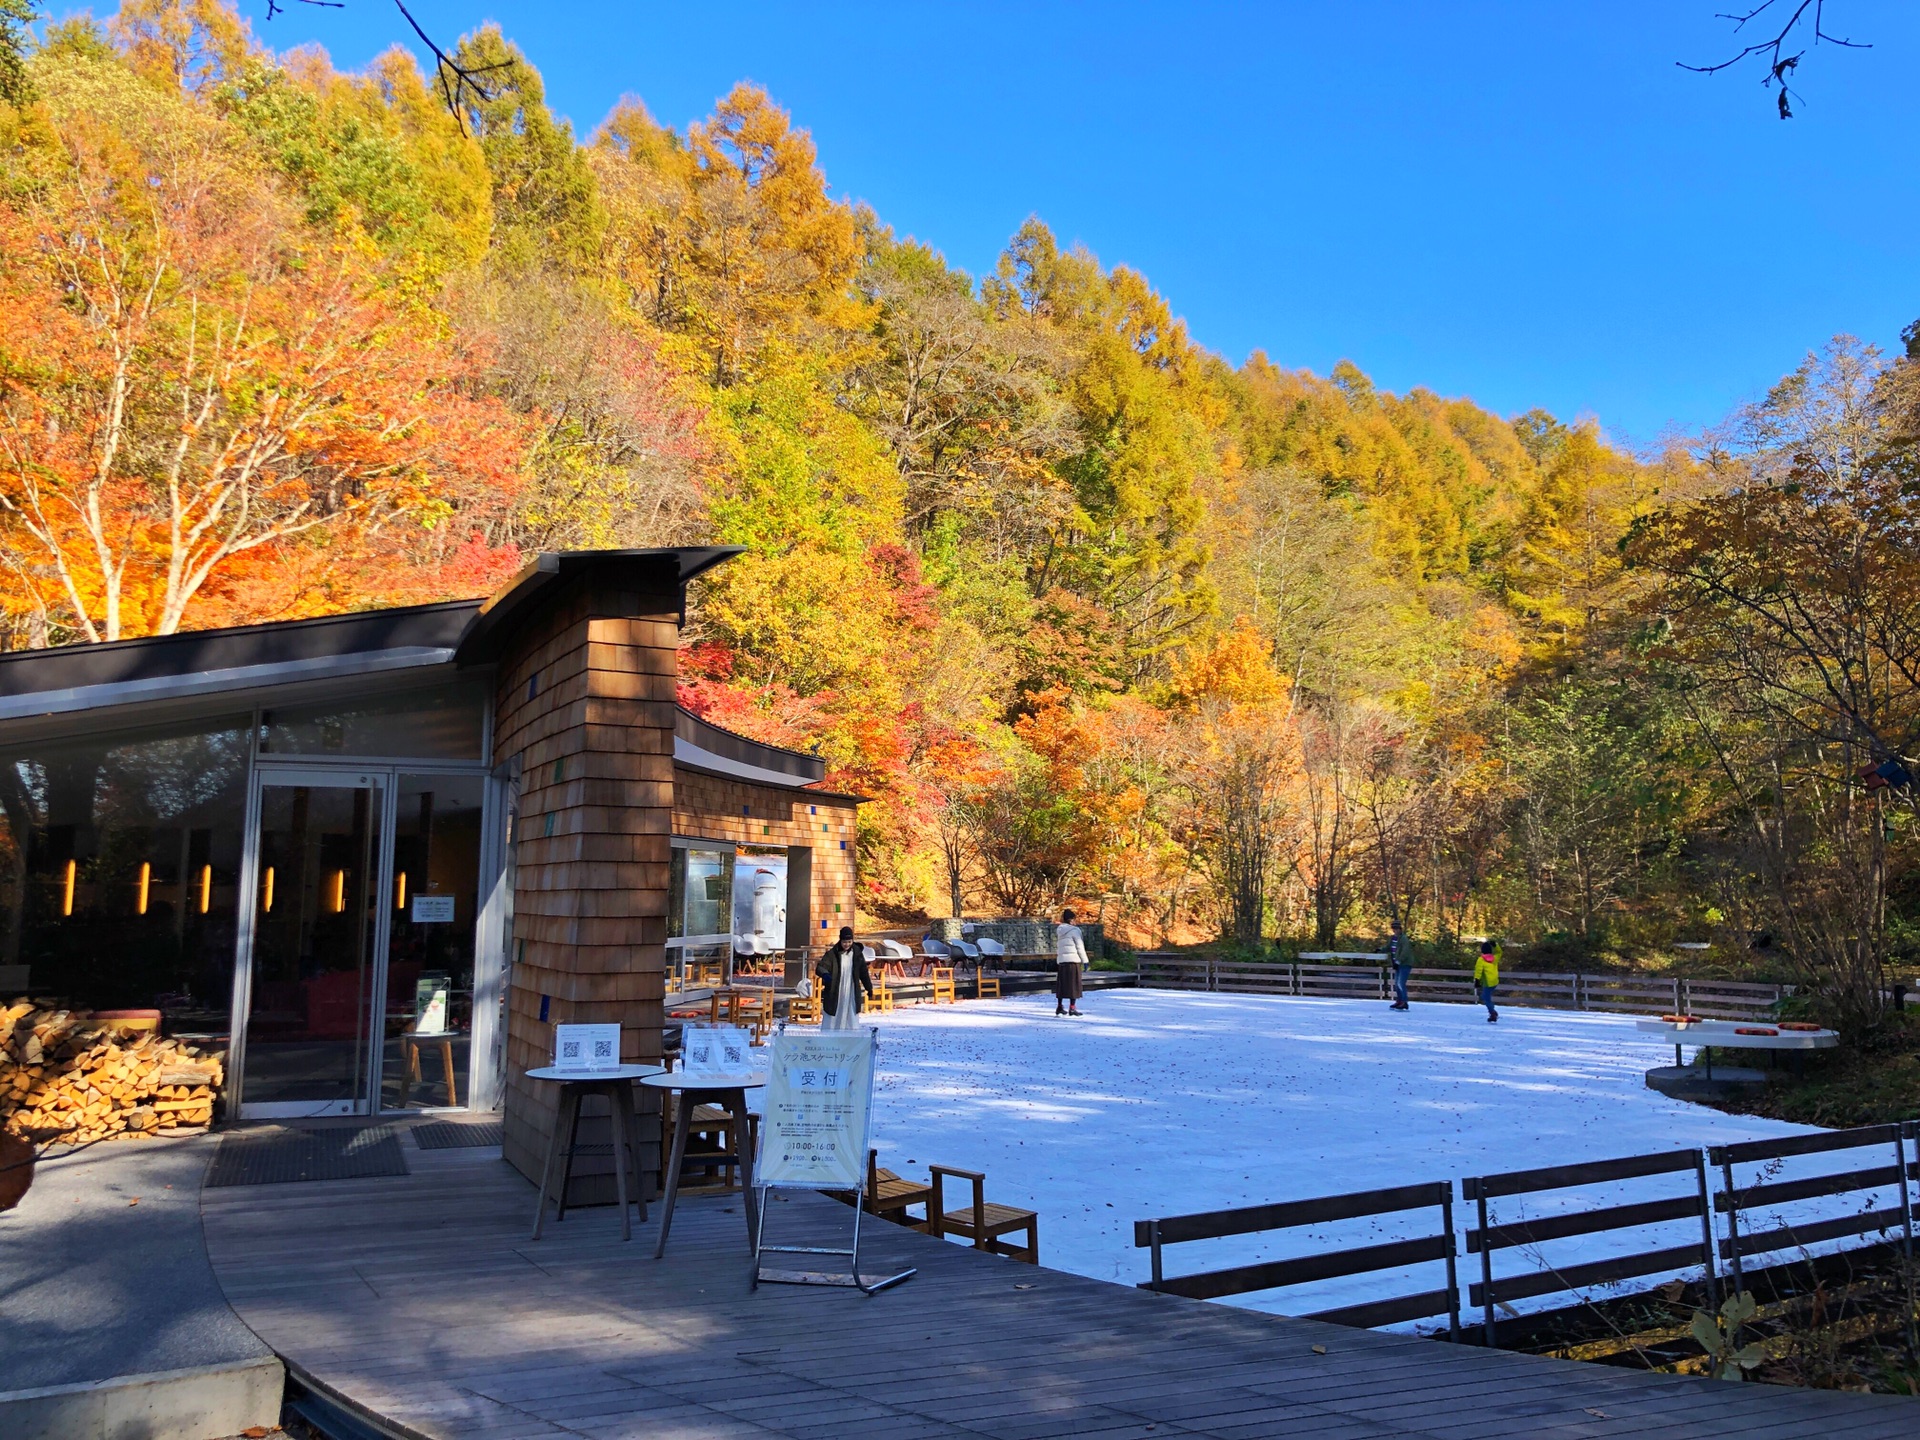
<point x="433" y="903"/>
<point x="316" y="928"/>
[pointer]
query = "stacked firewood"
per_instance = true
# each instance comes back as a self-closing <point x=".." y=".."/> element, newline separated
<point x="64" y="1074"/>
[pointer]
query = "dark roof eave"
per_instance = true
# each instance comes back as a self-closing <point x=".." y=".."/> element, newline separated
<point x="669" y="569"/>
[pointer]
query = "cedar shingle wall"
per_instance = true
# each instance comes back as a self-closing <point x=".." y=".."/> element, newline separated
<point x="595" y="741"/>
<point x="713" y="808"/>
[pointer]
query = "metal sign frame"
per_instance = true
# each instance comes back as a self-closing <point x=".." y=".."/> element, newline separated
<point x="851" y="1278"/>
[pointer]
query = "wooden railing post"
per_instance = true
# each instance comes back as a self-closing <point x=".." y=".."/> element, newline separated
<point x="1706" y="1233"/>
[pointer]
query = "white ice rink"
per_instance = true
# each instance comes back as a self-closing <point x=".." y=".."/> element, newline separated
<point x="1164" y="1103"/>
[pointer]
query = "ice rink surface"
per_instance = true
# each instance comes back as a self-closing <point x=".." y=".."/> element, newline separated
<point x="1164" y="1103"/>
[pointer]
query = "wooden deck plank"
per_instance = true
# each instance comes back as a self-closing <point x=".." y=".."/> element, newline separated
<point x="423" y="1298"/>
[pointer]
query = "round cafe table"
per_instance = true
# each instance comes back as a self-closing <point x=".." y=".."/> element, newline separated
<point x="576" y="1085"/>
<point x="728" y="1093"/>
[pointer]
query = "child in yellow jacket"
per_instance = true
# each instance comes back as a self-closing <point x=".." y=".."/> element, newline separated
<point x="1486" y="977"/>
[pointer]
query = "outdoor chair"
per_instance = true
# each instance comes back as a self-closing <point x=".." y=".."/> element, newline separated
<point x="890" y="1197"/>
<point x="983" y="1223"/>
<point x="710" y="1149"/>
<point x="894" y="950"/>
<point x="881" y="999"/>
<point x="804" y="1010"/>
<point x="943" y="984"/>
<point x="755" y="1011"/>
<point x="987" y="986"/>
<point x="931" y="946"/>
<point x="965" y="949"/>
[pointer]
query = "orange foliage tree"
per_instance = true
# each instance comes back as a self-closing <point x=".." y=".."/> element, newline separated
<point x="189" y="375"/>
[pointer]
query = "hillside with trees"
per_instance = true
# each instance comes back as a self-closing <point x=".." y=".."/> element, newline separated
<point x="1090" y="613"/>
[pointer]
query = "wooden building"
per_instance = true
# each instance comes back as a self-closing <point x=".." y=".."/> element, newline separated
<point x="378" y="856"/>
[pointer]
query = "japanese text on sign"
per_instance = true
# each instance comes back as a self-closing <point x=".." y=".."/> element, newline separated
<point x="818" y="1098"/>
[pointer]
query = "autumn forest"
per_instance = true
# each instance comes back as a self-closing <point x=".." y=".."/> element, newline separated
<point x="1240" y="654"/>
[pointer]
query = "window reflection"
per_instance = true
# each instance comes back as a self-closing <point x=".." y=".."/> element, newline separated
<point x="446" y="722"/>
<point x="119" y="871"/>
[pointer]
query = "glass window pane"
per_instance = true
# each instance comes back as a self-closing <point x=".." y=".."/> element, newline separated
<point x="312" y="946"/>
<point x="444" y="722"/>
<point x="120" y="869"/>
<point x="709" y="891"/>
<point x="430" y="949"/>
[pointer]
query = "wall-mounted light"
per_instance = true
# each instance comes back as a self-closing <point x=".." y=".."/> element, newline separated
<point x="400" y="891"/>
<point x="206" y="888"/>
<point x="66" y="896"/>
<point x="146" y="884"/>
<point x="266" y="898"/>
<point x="337" y="892"/>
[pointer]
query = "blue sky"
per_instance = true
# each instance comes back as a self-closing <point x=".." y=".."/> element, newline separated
<point x="1528" y="204"/>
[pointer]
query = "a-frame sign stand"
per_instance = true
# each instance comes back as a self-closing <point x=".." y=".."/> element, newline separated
<point x="814" y="1136"/>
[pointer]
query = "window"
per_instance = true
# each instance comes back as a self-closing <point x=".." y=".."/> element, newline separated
<point x="445" y="722"/>
<point x="699" y="890"/>
<point x="120" y="870"/>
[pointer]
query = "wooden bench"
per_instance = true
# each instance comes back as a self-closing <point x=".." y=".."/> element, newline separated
<point x="984" y="1224"/>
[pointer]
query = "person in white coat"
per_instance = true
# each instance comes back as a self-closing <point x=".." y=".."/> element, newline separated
<point x="1070" y="962"/>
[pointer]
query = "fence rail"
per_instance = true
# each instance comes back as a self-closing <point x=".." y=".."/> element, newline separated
<point x="1323" y="1265"/>
<point x="1535" y="989"/>
<point x="1696" y="1205"/>
<point x="1550" y="1278"/>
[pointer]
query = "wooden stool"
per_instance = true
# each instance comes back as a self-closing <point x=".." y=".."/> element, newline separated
<point x="575" y="1086"/>
<point x="410" y="1043"/>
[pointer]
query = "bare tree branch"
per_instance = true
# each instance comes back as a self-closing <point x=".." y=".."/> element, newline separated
<point x="455" y="80"/>
<point x="1779" y="64"/>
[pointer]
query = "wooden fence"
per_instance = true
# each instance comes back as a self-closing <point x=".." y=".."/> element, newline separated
<point x="1765" y="1194"/>
<point x="1550" y="1279"/>
<point x="1693" y="1206"/>
<point x="1537" y="989"/>
<point x="1324" y="1265"/>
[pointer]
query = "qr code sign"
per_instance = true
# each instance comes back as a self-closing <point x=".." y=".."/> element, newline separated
<point x="569" y="1049"/>
<point x="603" y="1050"/>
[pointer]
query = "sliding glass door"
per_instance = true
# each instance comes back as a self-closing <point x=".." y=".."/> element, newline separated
<point x="317" y="928"/>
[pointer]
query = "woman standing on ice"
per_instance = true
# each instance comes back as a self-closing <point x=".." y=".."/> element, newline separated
<point x="1071" y="959"/>
<point x="844" y="982"/>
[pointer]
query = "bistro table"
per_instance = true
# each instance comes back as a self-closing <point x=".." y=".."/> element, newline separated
<point x="729" y="1093"/>
<point x="576" y="1085"/>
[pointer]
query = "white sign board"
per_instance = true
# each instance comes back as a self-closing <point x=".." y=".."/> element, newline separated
<point x="818" y="1100"/>
<point x="433" y="909"/>
<point x="586" y="1048"/>
<point x="716" y="1050"/>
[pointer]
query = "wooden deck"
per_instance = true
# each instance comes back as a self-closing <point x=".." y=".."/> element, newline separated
<point x="421" y="1300"/>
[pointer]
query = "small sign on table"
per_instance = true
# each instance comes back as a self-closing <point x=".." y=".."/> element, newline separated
<point x="586" y="1048"/>
<point x="715" y="1050"/>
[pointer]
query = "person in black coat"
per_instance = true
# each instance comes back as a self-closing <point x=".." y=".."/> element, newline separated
<point x="844" y="982"/>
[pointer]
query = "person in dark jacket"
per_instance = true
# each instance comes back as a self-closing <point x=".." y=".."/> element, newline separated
<point x="844" y="982"/>
<point x="1402" y="963"/>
